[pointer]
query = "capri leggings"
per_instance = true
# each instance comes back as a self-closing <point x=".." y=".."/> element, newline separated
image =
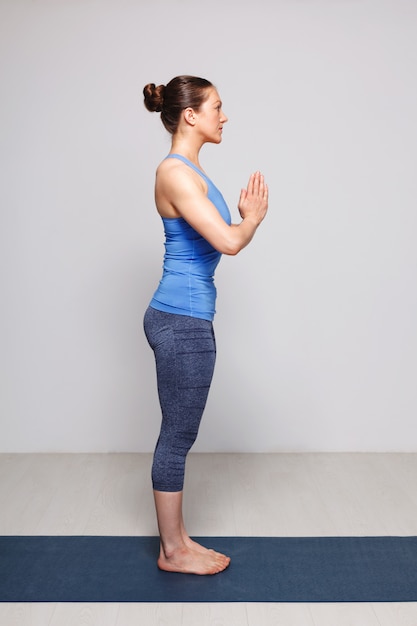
<point x="185" y="354"/>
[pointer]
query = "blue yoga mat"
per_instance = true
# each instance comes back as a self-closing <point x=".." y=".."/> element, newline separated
<point x="263" y="569"/>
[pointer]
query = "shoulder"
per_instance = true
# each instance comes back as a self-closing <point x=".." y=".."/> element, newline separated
<point x="175" y="174"/>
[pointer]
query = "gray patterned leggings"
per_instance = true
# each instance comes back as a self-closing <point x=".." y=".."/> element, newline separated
<point x="185" y="354"/>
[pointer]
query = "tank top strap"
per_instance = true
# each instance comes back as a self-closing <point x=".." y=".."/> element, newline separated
<point x="187" y="162"/>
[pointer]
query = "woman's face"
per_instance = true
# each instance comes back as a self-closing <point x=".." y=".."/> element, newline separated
<point x="210" y="117"/>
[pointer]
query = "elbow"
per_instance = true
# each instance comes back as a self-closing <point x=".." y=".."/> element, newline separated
<point x="231" y="244"/>
<point x="231" y="248"/>
<point x="232" y="251"/>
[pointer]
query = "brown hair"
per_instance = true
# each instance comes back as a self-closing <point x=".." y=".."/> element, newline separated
<point x="179" y="94"/>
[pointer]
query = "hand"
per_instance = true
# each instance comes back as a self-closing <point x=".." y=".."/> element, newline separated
<point x="253" y="201"/>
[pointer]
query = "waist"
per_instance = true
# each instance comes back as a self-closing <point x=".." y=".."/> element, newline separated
<point x="186" y="294"/>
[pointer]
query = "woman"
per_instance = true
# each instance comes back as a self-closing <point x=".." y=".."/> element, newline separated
<point x="178" y="322"/>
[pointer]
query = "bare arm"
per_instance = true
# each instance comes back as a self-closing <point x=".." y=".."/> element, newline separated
<point x="182" y="193"/>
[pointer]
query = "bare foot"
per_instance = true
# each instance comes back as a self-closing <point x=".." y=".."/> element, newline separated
<point x="188" y="561"/>
<point x="193" y="545"/>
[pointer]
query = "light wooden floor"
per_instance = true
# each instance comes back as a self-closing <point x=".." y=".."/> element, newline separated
<point x="226" y="494"/>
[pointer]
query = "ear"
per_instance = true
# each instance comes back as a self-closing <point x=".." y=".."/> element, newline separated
<point x="190" y="116"/>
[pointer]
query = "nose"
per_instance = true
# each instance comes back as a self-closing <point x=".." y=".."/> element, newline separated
<point x="224" y="118"/>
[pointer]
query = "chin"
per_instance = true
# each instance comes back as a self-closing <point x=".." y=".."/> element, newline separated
<point x="215" y="140"/>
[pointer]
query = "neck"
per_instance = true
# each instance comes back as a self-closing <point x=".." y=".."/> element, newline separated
<point x="188" y="149"/>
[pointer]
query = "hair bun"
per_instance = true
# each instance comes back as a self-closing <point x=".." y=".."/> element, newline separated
<point x="171" y="99"/>
<point x="154" y="97"/>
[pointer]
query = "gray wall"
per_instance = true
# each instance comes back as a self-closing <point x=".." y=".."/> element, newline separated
<point x="316" y="322"/>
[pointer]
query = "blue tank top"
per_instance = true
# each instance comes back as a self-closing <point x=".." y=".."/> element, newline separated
<point x="187" y="284"/>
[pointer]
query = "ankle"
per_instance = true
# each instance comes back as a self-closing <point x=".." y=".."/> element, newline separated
<point x="170" y="549"/>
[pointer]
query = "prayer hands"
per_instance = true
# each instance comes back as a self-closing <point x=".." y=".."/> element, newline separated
<point x="253" y="201"/>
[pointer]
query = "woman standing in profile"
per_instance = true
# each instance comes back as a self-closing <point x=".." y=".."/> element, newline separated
<point x="178" y="321"/>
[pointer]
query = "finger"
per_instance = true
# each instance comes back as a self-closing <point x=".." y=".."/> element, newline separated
<point x="261" y="184"/>
<point x="242" y="198"/>
<point x="250" y="184"/>
<point x="256" y="182"/>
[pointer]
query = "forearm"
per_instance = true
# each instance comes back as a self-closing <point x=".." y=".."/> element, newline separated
<point x="240" y="235"/>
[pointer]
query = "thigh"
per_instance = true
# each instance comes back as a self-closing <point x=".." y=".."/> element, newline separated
<point x="185" y="355"/>
<point x="195" y="351"/>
